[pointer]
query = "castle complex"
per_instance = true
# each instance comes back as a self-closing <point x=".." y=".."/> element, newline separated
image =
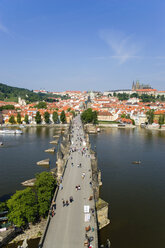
<point x="138" y="86"/>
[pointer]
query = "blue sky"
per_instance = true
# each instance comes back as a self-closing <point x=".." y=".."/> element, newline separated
<point x="82" y="44"/>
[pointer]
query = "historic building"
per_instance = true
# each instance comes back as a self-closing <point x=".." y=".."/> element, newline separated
<point x="138" y="86"/>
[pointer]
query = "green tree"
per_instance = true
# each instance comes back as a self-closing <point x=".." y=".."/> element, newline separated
<point x="12" y="119"/>
<point x="3" y="206"/>
<point x="26" y="119"/>
<point x="19" y="118"/>
<point x="161" y="120"/>
<point x="69" y="109"/>
<point x="38" y="117"/>
<point x="136" y="95"/>
<point x="123" y="115"/>
<point x="55" y="117"/>
<point x="95" y="119"/>
<point x="23" y="207"/>
<point x="45" y="186"/>
<point x="147" y="98"/>
<point x="47" y="117"/>
<point x="133" y="122"/>
<point x="150" y="116"/>
<point x="63" y="117"/>
<point x="41" y="105"/>
<point x="162" y="98"/>
<point x="89" y="116"/>
<point x="123" y="96"/>
<point x="7" y="107"/>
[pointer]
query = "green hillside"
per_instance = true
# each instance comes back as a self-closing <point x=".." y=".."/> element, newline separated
<point x="9" y="93"/>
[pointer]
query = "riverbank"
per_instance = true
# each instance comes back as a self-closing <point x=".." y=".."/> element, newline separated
<point x="35" y="125"/>
<point x="116" y="126"/>
<point x="33" y="232"/>
<point x="151" y="127"/>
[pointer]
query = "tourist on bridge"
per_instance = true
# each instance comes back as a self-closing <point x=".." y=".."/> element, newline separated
<point x="54" y="205"/>
<point x="63" y="202"/>
<point x="83" y="175"/>
<point x="60" y="187"/>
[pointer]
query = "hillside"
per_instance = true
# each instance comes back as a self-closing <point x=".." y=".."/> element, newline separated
<point x="9" y="93"/>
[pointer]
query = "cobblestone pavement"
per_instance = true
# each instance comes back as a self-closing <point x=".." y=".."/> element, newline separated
<point x="67" y="227"/>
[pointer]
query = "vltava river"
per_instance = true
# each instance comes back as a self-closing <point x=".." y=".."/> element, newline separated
<point x="19" y="155"/>
<point x="135" y="193"/>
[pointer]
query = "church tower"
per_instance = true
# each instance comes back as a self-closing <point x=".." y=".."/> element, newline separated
<point x="133" y="86"/>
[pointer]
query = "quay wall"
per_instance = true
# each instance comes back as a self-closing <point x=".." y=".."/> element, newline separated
<point x="101" y="205"/>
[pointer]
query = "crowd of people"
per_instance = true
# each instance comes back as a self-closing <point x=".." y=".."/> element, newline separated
<point x="78" y="150"/>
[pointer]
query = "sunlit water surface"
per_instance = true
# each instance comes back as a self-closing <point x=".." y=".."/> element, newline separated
<point x="135" y="193"/>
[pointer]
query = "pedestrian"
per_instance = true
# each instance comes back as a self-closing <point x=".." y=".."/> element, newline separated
<point x="61" y="187"/>
<point x="54" y="205"/>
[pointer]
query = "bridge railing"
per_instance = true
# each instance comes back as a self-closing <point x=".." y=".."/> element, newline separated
<point x="48" y="221"/>
<point x="49" y="217"/>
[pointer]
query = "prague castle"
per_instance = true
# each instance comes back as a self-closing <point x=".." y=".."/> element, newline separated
<point x="138" y="86"/>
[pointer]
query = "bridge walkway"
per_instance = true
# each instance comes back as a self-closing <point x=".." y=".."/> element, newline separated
<point x="67" y="227"/>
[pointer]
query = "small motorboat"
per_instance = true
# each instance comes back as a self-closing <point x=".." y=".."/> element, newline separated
<point x="11" y="131"/>
<point x="1" y="143"/>
<point x="136" y="162"/>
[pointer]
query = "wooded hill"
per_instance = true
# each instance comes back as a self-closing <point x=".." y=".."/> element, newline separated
<point x="11" y="94"/>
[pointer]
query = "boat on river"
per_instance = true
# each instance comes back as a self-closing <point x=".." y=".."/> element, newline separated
<point x="136" y="162"/>
<point x="11" y="131"/>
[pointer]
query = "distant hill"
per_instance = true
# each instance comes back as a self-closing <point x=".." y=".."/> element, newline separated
<point x="9" y="93"/>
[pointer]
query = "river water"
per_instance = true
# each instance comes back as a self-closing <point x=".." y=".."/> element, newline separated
<point x="135" y="193"/>
<point x="19" y="155"/>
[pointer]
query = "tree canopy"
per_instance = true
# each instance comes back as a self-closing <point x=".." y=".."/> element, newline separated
<point x="150" y="116"/>
<point x="23" y="207"/>
<point x="55" y="117"/>
<point x="12" y="119"/>
<point x="63" y="117"/>
<point x="45" y="185"/>
<point x="9" y="106"/>
<point x="3" y="206"/>
<point x="161" y="120"/>
<point x="26" y="119"/>
<point x="41" y="105"/>
<point x="47" y="117"/>
<point x="19" y="118"/>
<point x="27" y="205"/>
<point x="89" y="116"/>
<point x="38" y="117"/>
